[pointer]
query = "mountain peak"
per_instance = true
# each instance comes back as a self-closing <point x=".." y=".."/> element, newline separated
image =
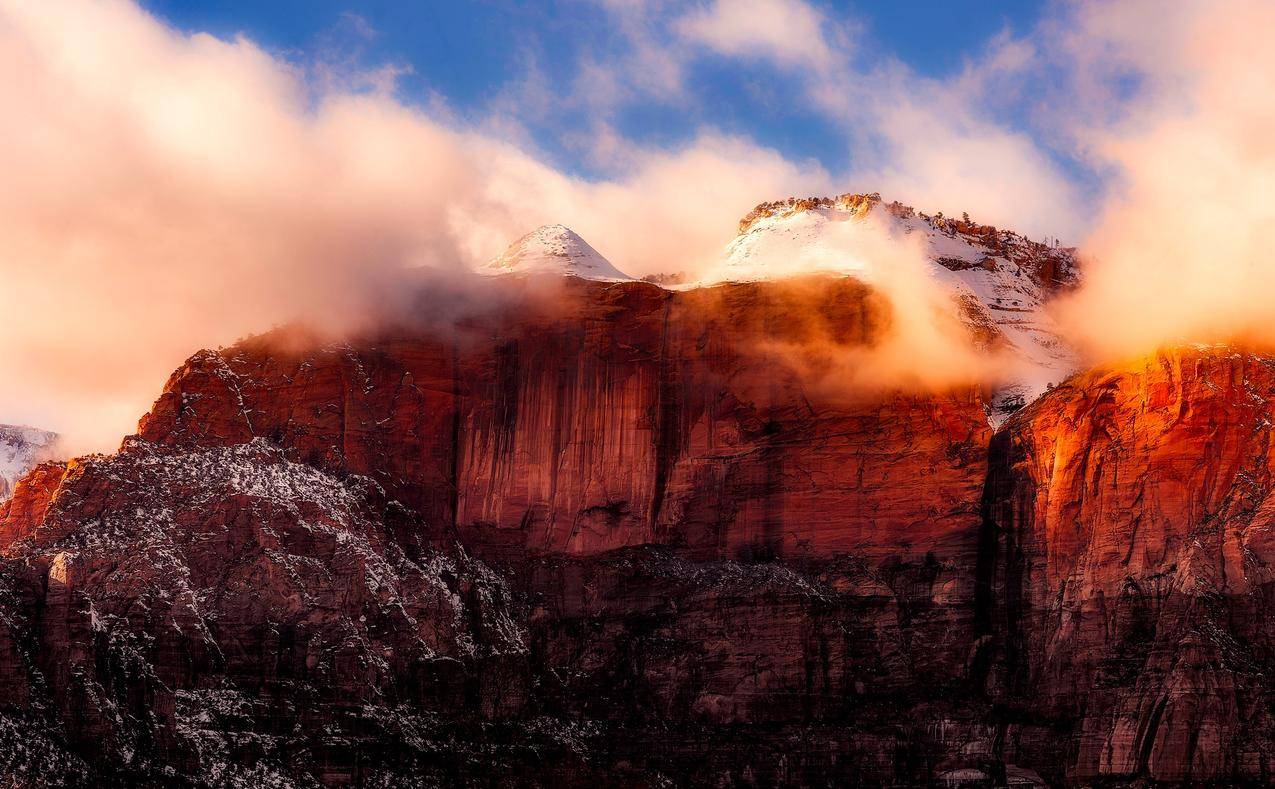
<point x="858" y="204"/>
<point x="22" y="448"/>
<point x="1000" y="280"/>
<point x="554" y="249"/>
<point x="953" y="243"/>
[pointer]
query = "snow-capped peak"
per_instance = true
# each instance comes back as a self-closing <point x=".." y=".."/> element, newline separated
<point x="21" y="449"/>
<point x="999" y="279"/>
<point x="555" y="249"/>
<point x="818" y="234"/>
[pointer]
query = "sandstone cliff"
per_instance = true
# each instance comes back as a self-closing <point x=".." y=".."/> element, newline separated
<point x="611" y="537"/>
<point x="1131" y="589"/>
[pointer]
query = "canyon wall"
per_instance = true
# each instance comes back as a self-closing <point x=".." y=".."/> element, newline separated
<point x="630" y="536"/>
<point x="1132" y="585"/>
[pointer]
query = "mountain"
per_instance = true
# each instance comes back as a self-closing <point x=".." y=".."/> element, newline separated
<point x="592" y="544"/>
<point x="999" y="280"/>
<point x="611" y="540"/>
<point x="1132" y="513"/>
<point x="22" y="448"/>
<point x="554" y="249"/>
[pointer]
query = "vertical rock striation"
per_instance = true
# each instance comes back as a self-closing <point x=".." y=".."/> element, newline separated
<point x="634" y="536"/>
<point x="1130" y="590"/>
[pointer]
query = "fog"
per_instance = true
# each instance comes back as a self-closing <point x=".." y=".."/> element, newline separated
<point x="166" y="191"/>
<point x="1184" y="247"/>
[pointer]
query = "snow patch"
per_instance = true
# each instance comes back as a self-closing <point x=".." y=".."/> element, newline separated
<point x="555" y="249"/>
<point x="999" y="280"/>
<point x="21" y="449"/>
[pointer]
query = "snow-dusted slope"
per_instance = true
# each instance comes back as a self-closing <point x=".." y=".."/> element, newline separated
<point x="22" y="448"/>
<point x="999" y="279"/>
<point x="555" y="249"/>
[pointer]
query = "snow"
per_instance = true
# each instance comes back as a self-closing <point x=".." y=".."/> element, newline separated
<point x="988" y="273"/>
<point x="320" y="535"/>
<point x="21" y="449"/>
<point x="555" y="249"/>
<point x="994" y="285"/>
<point x="791" y="244"/>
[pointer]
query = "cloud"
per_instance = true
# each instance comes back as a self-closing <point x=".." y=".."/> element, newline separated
<point x="790" y="33"/>
<point x="651" y="65"/>
<point x="1182" y="250"/>
<point x="935" y="142"/>
<point x="1150" y="145"/>
<point x="165" y="192"/>
<point x="920" y="343"/>
<point x="929" y="142"/>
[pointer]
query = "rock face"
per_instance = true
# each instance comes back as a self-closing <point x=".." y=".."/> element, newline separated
<point x="615" y="537"/>
<point x="21" y="449"/>
<point x="999" y="280"/>
<point x="1131" y="588"/>
<point x="645" y="417"/>
<point x="197" y="609"/>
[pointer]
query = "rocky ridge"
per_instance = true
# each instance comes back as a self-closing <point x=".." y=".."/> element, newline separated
<point x="21" y="449"/>
<point x="607" y="538"/>
<point x="999" y="280"/>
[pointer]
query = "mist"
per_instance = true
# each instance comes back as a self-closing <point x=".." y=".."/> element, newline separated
<point x="1184" y="247"/>
<point x="922" y="345"/>
<point x="165" y="192"/>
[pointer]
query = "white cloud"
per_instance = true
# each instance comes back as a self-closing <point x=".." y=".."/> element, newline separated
<point x="786" y="32"/>
<point x="935" y="143"/>
<point x="164" y="192"/>
<point x="1182" y="250"/>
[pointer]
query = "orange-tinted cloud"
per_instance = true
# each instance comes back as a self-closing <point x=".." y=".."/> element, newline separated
<point x="1183" y="248"/>
<point x="164" y="192"/>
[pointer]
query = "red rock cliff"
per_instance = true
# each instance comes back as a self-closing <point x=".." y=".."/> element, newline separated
<point x="630" y="416"/>
<point x="614" y="537"/>
<point x="1131" y="592"/>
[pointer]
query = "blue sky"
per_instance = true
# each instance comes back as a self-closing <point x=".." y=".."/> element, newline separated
<point x="478" y="55"/>
<point x="949" y="107"/>
<point x="313" y="148"/>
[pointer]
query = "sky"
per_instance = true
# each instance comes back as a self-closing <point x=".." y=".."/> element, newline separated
<point x="474" y="54"/>
<point x="178" y="175"/>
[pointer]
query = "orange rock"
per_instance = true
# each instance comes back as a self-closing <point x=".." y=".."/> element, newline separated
<point x="26" y="508"/>
<point x="1136" y="560"/>
<point x="630" y="532"/>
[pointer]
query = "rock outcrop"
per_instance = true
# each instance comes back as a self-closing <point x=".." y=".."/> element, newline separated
<point x="1130" y="594"/>
<point x="617" y="537"/>
<point x="21" y="449"/>
<point x="999" y="281"/>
